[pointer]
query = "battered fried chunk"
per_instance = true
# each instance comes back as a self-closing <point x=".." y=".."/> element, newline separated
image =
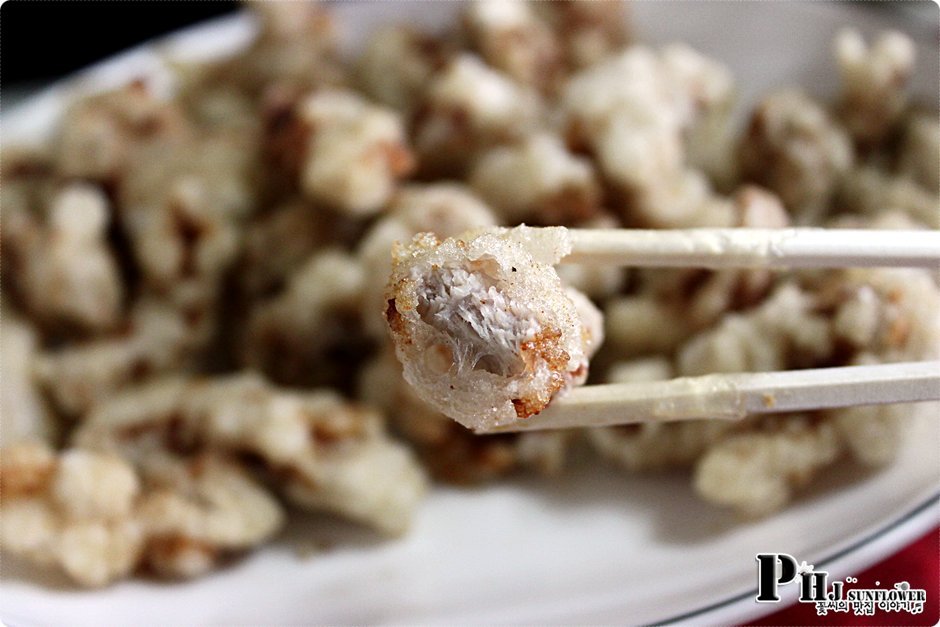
<point x="485" y="331"/>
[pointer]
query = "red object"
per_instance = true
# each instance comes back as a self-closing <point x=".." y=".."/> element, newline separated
<point x="918" y="564"/>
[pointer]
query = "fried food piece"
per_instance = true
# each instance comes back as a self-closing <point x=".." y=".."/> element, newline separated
<point x="23" y="411"/>
<point x="670" y="304"/>
<point x="482" y="325"/>
<point x="758" y="471"/>
<point x="874" y="79"/>
<point x="298" y="337"/>
<point x="296" y="47"/>
<point x="511" y="37"/>
<point x="634" y="112"/>
<point x="467" y="109"/>
<point x="100" y="136"/>
<point x="323" y="453"/>
<point x="397" y="64"/>
<point x="537" y="181"/>
<point x="157" y="339"/>
<point x="641" y="324"/>
<point x="99" y="517"/>
<point x="793" y="147"/>
<point x="857" y="316"/>
<point x="198" y="511"/>
<point x="63" y="268"/>
<point x="870" y="191"/>
<point x="73" y="511"/>
<point x="182" y="213"/>
<point x="586" y="31"/>
<point x="356" y="154"/>
<point x="279" y="241"/>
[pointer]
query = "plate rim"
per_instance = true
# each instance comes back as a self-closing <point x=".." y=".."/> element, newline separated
<point x="857" y="554"/>
<point x="867" y="550"/>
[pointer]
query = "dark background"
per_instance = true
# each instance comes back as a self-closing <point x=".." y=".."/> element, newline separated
<point x="42" y="40"/>
<point x="46" y="39"/>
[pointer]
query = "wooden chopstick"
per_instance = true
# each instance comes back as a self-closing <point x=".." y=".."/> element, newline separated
<point x="734" y="396"/>
<point x="744" y="247"/>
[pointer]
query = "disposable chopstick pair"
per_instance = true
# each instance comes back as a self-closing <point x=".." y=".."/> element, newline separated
<point x="734" y="396"/>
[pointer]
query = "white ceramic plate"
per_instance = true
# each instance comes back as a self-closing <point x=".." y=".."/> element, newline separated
<point x="594" y="546"/>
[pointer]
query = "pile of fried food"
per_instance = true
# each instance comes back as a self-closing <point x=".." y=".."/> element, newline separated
<point x="193" y="338"/>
